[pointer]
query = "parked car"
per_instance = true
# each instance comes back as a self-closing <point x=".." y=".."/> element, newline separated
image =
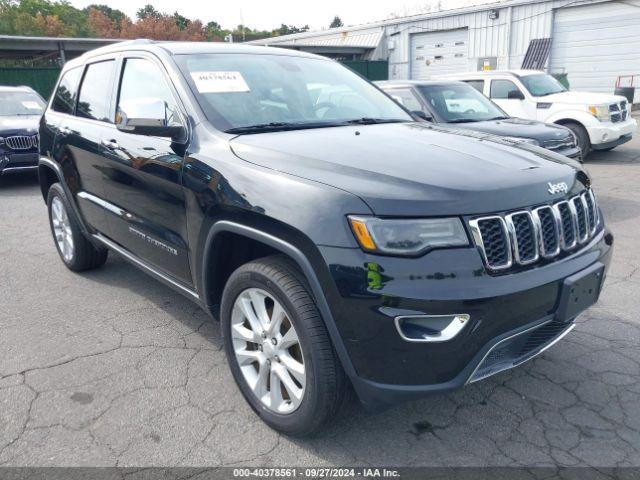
<point x="20" y="111"/>
<point x="599" y="121"/>
<point x="337" y="240"/>
<point x="462" y="106"/>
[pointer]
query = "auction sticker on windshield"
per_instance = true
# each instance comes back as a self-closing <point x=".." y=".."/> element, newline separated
<point x="220" y="82"/>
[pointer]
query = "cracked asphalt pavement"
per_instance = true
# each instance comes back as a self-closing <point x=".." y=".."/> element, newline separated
<point x="113" y="368"/>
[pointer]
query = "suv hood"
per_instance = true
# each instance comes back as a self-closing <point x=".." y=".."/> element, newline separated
<point x="517" y="127"/>
<point x="414" y="169"/>
<point x="20" y="124"/>
<point x="581" y="98"/>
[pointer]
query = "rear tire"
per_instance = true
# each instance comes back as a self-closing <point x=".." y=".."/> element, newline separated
<point x="582" y="137"/>
<point x="75" y="251"/>
<point x="276" y="282"/>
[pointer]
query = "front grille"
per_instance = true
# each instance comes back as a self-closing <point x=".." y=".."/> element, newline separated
<point x="523" y="237"/>
<point x="619" y="111"/>
<point x="22" y="142"/>
<point x="495" y="242"/>
<point x="561" y="144"/>
<point x="517" y="349"/>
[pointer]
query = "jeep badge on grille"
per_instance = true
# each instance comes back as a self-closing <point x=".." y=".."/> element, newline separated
<point x="560" y="187"/>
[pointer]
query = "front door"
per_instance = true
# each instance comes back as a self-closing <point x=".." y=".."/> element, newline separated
<point x="505" y="93"/>
<point x="144" y="178"/>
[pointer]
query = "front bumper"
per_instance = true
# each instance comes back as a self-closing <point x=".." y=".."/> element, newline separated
<point x="18" y="162"/>
<point x="573" y="152"/>
<point x="605" y="134"/>
<point x="374" y="290"/>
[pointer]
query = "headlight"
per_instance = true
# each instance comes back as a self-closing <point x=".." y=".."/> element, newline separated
<point x="530" y="141"/>
<point x="1" y="140"/>
<point x="407" y="236"/>
<point x="601" y="112"/>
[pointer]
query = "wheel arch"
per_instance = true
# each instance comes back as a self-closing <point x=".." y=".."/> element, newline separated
<point x="213" y="278"/>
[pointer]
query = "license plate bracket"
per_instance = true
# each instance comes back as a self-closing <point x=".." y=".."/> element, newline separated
<point x="579" y="292"/>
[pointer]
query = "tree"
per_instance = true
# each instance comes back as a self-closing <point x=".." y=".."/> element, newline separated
<point x="102" y="25"/>
<point x="181" y="22"/>
<point x="289" y="29"/>
<point x="336" y="22"/>
<point x="113" y="14"/>
<point x="148" y="11"/>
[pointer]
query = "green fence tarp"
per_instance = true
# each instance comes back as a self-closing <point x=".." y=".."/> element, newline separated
<point x="42" y="80"/>
<point x="372" y="69"/>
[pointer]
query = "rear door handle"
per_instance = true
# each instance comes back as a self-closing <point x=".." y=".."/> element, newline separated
<point x="110" y="144"/>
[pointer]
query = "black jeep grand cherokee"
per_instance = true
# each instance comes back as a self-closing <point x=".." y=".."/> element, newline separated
<point x="338" y="241"/>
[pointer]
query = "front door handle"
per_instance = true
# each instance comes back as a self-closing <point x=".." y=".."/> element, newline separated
<point x="64" y="131"/>
<point x="110" y="144"/>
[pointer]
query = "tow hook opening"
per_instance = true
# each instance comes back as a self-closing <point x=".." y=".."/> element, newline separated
<point x="431" y="328"/>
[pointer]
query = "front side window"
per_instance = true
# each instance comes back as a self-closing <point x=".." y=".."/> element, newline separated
<point x="95" y="92"/>
<point x="460" y="103"/>
<point x="501" y="89"/>
<point x="540" y="85"/>
<point x="406" y="98"/>
<point x="64" y="100"/>
<point x="244" y="90"/>
<point x="20" y="104"/>
<point x="141" y="80"/>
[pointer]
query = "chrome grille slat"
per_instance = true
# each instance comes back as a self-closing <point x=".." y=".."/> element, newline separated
<point x="21" y="142"/>
<point x="525" y="236"/>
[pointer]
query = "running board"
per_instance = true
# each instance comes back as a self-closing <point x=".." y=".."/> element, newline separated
<point x="145" y="266"/>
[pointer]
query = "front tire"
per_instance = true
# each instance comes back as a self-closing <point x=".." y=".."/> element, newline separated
<point x="75" y="251"/>
<point x="278" y="348"/>
<point x="582" y="137"/>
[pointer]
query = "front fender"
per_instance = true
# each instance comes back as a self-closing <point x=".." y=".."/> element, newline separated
<point x="578" y="116"/>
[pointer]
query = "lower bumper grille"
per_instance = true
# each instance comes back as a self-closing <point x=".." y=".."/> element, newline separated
<point x="519" y="348"/>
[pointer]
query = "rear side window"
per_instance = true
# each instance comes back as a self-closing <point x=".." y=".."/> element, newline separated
<point x="477" y="84"/>
<point x="502" y="88"/>
<point x="64" y="99"/>
<point x="95" y="92"/>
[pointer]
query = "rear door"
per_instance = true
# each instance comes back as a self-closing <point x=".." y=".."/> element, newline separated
<point x="78" y="146"/>
<point x="143" y="175"/>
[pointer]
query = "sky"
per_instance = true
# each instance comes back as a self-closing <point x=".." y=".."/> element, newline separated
<point x="269" y="14"/>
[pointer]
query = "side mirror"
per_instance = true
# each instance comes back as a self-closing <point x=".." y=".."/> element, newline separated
<point x="148" y="116"/>
<point x="515" y="95"/>
<point x="423" y="115"/>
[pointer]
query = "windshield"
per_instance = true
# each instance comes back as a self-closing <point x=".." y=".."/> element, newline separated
<point x="20" y="103"/>
<point x="459" y="103"/>
<point x="237" y="91"/>
<point x="542" y="84"/>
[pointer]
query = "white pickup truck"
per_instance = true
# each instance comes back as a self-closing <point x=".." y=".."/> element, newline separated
<point x="599" y="121"/>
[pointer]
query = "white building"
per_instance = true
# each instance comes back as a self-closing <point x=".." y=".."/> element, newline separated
<point x="593" y="41"/>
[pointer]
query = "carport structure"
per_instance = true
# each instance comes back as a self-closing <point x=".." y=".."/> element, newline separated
<point x="40" y="48"/>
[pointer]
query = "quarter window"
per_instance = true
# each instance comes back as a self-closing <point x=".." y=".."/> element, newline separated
<point x="64" y="99"/>
<point x="95" y="92"/>
<point x="142" y="79"/>
<point x="502" y="88"/>
<point x="477" y="84"/>
<point x="406" y="98"/>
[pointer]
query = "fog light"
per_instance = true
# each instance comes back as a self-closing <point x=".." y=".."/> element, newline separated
<point x="431" y="328"/>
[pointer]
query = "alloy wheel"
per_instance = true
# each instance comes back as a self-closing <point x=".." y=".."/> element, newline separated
<point x="268" y="350"/>
<point x="62" y="229"/>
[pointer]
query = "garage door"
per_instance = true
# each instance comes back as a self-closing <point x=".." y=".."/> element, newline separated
<point x="439" y="53"/>
<point x="596" y="43"/>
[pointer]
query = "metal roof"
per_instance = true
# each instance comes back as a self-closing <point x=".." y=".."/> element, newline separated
<point x="366" y="38"/>
<point x="33" y="47"/>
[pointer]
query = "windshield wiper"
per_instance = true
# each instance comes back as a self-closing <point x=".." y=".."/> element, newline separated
<point x="373" y="121"/>
<point x="495" y="118"/>
<point x="279" y="126"/>
<point x="465" y="120"/>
